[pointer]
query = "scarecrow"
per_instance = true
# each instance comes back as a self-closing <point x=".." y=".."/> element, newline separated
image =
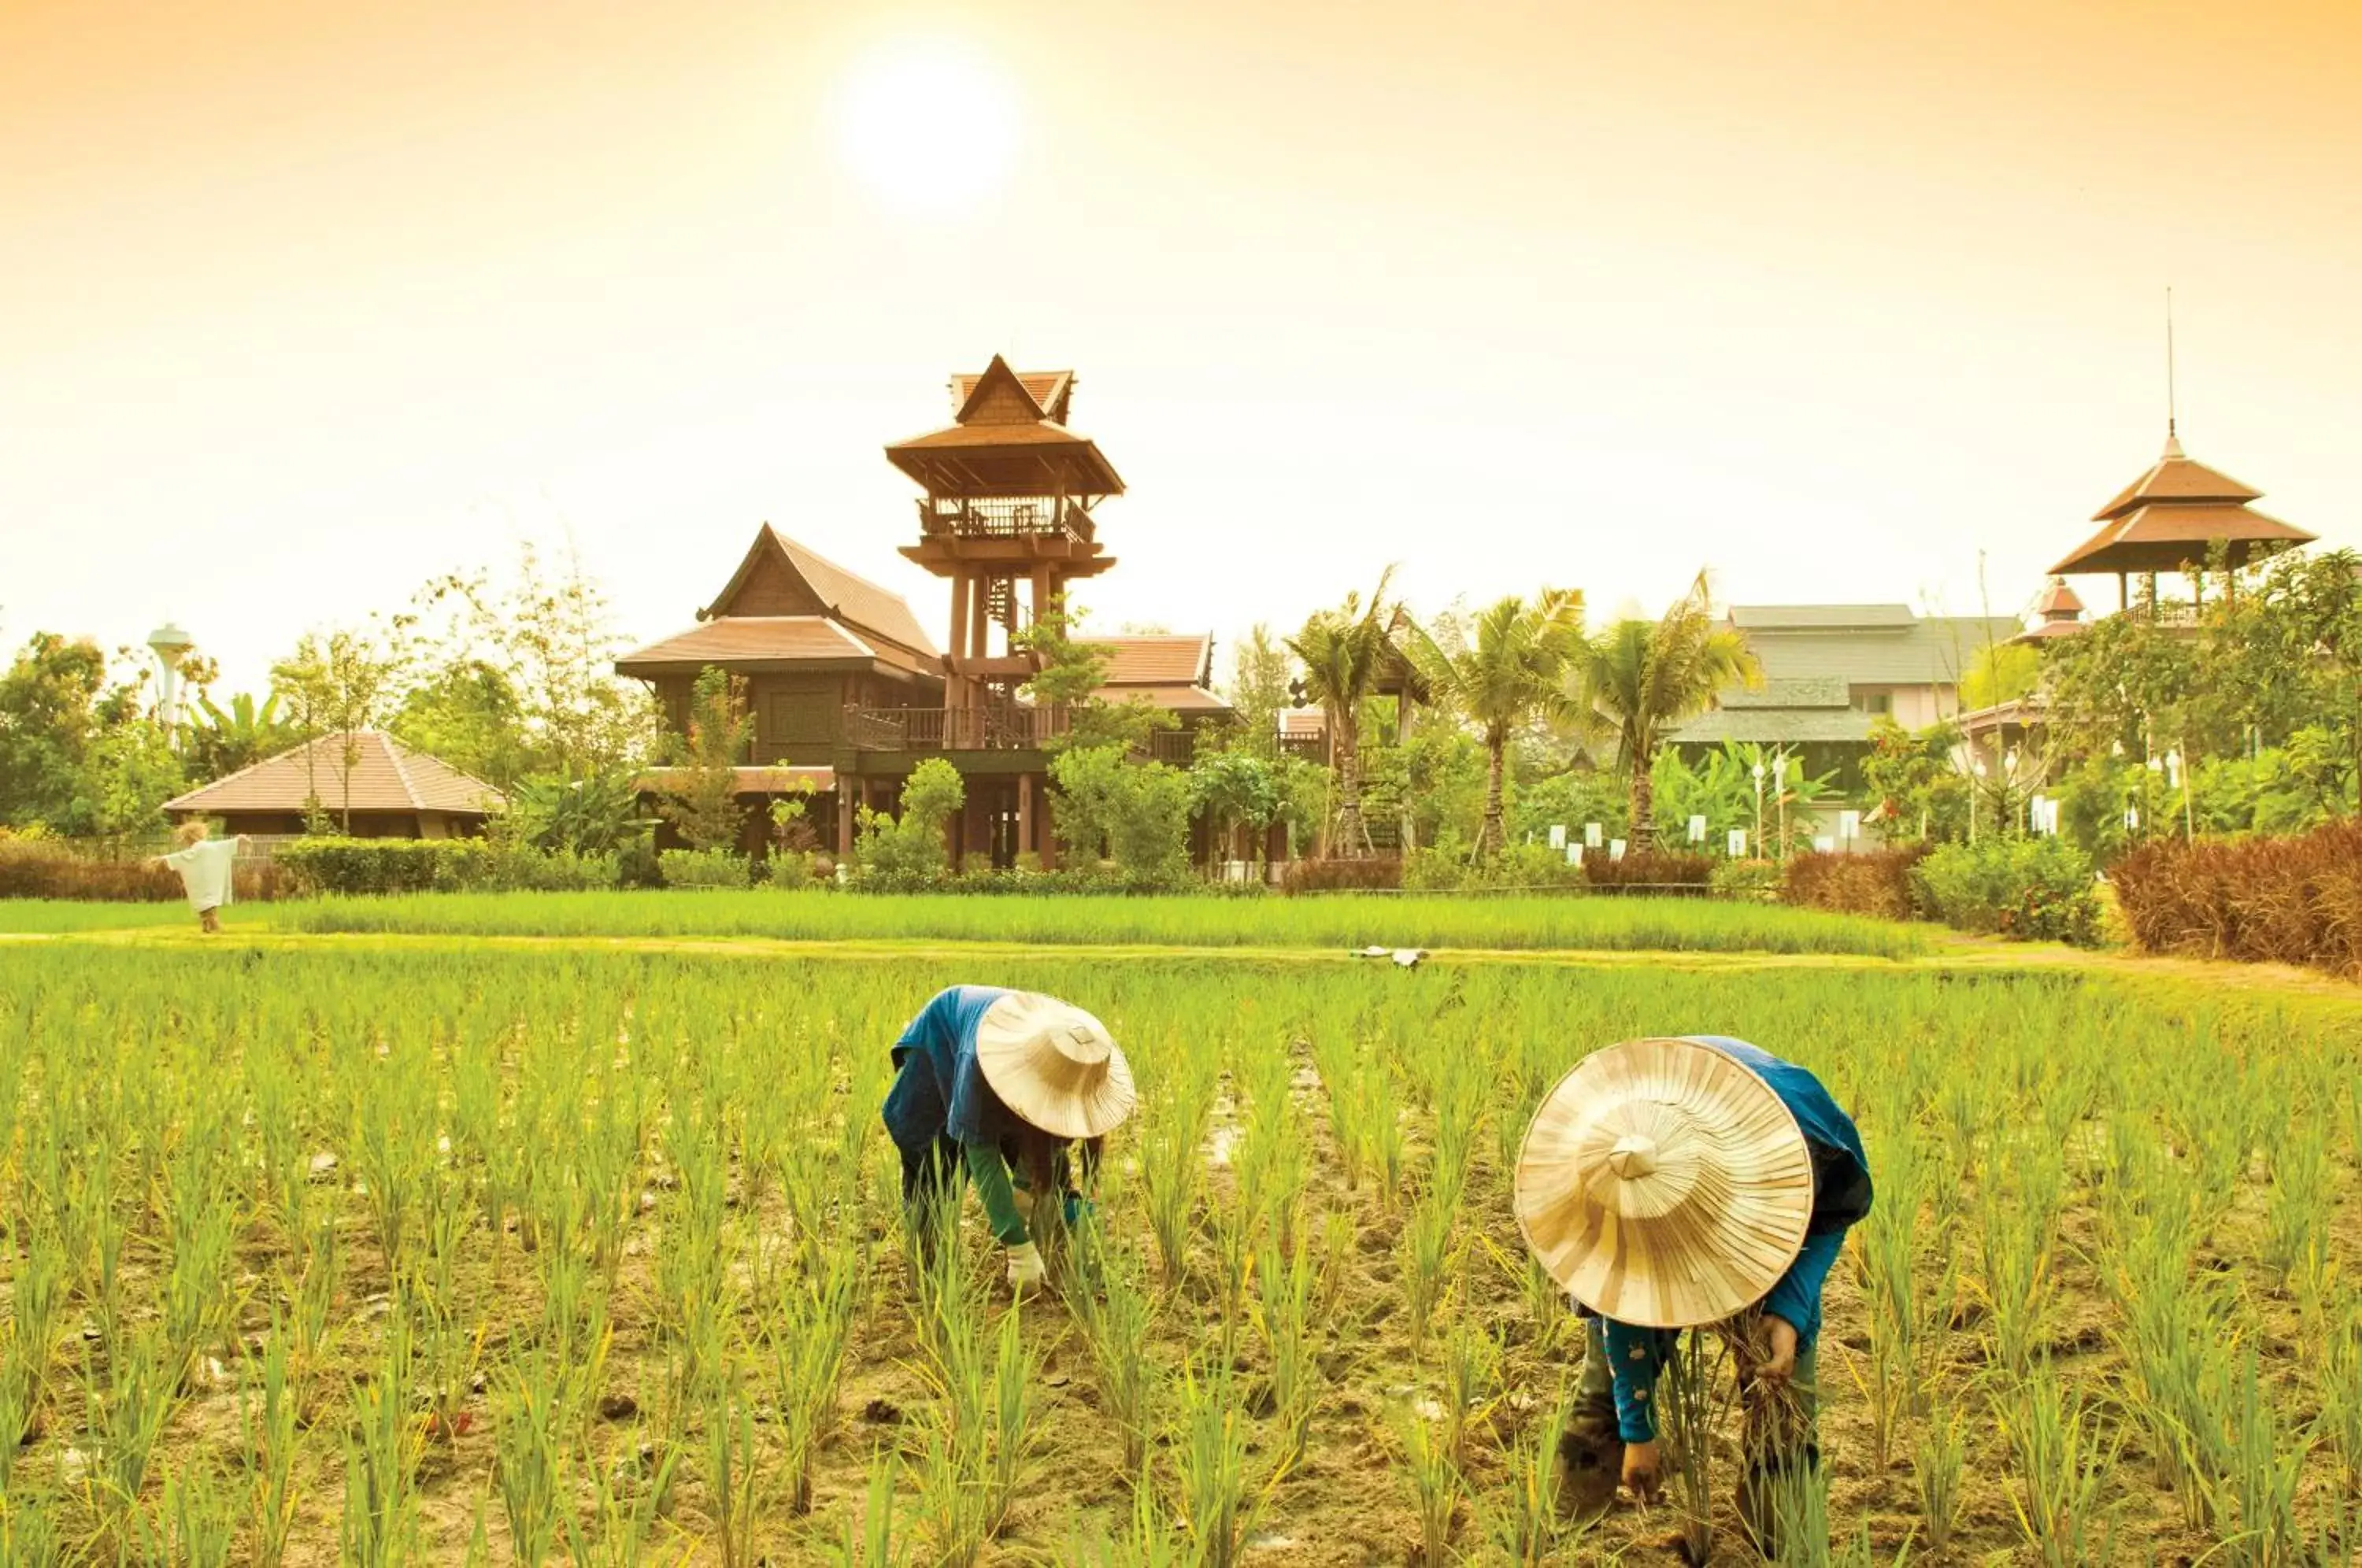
<point x="990" y="1082"/>
<point x="204" y="868"/>
<point x="1672" y="1183"/>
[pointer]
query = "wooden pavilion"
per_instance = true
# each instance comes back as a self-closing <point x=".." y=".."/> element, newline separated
<point x="2173" y="518"/>
<point x="370" y="784"/>
<point x="848" y="690"/>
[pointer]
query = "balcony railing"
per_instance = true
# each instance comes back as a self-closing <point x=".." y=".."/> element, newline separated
<point x="1005" y="518"/>
<point x="985" y="729"/>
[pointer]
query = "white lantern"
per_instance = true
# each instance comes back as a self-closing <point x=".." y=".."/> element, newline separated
<point x="1737" y="847"/>
<point x="1615" y="849"/>
<point x="1697" y="829"/>
<point x="1848" y="825"/>
<point x="1591" y="835"/>
<point x="1558" y="835"/>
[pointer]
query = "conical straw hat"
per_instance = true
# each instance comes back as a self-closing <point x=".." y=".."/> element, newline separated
<point x="1054" y="1066"/>
<point x="1664" y="1185"/>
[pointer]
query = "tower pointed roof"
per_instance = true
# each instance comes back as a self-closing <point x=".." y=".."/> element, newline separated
<point x="2173" y="516"/>
<point x="1008" y="438"/>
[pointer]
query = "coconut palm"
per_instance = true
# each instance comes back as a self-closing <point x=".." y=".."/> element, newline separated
<point x="1511" y="670"/>
<point x="1639" y="679"/>
<point x="1344" y="653"/>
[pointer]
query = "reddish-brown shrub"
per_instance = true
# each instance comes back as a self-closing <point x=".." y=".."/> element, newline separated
<point x="33" y="869"/>
<point x="2287" y="900"/>
<point x="1868" y="882"/>
<point x="1650" y="870"/>
<point x="1341" y="875"/>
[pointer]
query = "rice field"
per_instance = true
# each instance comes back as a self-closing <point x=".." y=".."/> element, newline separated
<point x="51" y="915"/>
<point x="1518" y="922"/>
<point x="454" y="1256"/>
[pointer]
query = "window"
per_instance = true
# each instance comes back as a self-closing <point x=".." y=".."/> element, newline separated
<point x="1875" y="702"/>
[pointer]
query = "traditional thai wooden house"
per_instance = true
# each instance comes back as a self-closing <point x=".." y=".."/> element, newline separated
<point x="848" y="690"/>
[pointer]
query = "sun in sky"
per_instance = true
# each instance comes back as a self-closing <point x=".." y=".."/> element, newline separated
<point x="927" y="129"/>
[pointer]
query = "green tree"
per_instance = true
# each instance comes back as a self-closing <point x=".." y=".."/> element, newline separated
<point x="1235" y="791"/>
<point x="1508" y="670"/>
<point x="467" y="714"/>
<point x="1261" y="674"/>
<point x="700" y="794"/>
<point x="128" y="772"/>
<point x="1637" y="680"/>
<point x="909" y="851"/>
<point x="1071" y="673"/>
<point x="1917" y="791"/>
<point x="2000" y="672"/>
<point x="339" y="684"/>
<point x="1137" y="813"/>
<point x="1345" y="652"/>
<point x="48" y="713"/>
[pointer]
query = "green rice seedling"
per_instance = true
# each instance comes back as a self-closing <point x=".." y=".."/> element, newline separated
<point x="624" y="1514"/>
<point x="382" y="1450"/>
<point x="30" y="1536"/>
<point x="1382" y="1125"/>
<point x="868" y="1539"/>
<point x="732" y="1470"/>
<point x="1209" y="1451"/>
<point x="127" y="1412"/>
<point x="2178" y="1380"/>
<point x="1115" y="1319"/>
<point x="1689" y="1407"/>
<point x="1437" y="1486"/>
<point x="2014" y="1255"/>
<point x="1239" y="1236"/>
<point x="805" y="1342"/>
<point x="2270" y="1462"/>
<point x="1171" y="1170"/>
<point x="273" y="1446"/>
<point x="1285" y="1320"/>
<point x="2063" y="1459"/>
<point x="1937" y="1462"/>
<point x="201" y="1519"/>
<point x="1524" y="1523"/>
<point x="1427" y="1261"/>
<point x="533" y="1452"/>
<point x="37" y="1303"/>
<point x="1015" y="1437"/>
<point x="1889" y="1255"/>
<point x="1472" y="1373"/>
<point x="1339" y="1237"/>
<point x="2341" y="1400"/>
<point x="2299" y="1198"/>
<point x="1147" y="1540"/>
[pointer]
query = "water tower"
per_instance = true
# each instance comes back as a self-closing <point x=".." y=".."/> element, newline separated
<point x="171" y="645"/>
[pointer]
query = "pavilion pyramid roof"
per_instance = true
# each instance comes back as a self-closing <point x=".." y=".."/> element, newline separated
<point x="1009" y="436"/>
<point x="2173" y="515"/>
<point x="386" y="776"/>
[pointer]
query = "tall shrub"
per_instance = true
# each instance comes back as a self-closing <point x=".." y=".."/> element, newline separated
<point x="909" y="851"/>
<point x="2289" y="901"/>
<point x="2035" y="889"/>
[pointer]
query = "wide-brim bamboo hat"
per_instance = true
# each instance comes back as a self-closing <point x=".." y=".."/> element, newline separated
<point x="1054" y="1065"/>
<point x="1664" y="1185"/>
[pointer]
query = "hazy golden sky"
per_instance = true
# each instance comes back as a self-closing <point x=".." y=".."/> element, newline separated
<point x="300" y="302"/>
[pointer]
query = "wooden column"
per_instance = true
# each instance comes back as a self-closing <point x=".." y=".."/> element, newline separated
<point x="954" y="688"/>
<point x="1046" y="835"/>
<point x="844" y="819"/>
<point x="1024" y="812"/>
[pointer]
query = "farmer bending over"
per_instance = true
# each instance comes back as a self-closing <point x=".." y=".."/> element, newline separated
<point x="988" y="1080"/>
<point x="1676" y="1183"/>
<point x="204" y="868"/>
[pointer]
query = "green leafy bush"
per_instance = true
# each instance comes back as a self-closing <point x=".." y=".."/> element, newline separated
<point x="1138" y="811"/>
<point x="703" y="868"/>
<point x="2032" y="889"/>
<point x="362" y="866"/>
<point x="1745" y="879"/>
<point x="907" y="852"/>
<point x="2289" y="901"/>
<point x="1871" y="882"/>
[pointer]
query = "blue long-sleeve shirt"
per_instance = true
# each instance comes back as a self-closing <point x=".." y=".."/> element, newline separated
<point x="1841" y="1195"/>
<point x="940" y="1092"/>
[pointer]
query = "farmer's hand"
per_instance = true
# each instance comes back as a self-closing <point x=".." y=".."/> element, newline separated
<point x="1640" y="1470"/>
<point x="1026" y="1269"/>
<point x="1781" y="1365"/>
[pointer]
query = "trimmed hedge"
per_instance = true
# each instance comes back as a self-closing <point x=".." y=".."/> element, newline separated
<point x="379" y="866"/>
<point x="2296" y="899"/>
<point x="1651" y="871"/>
<point x="30" y="869"/>
<point x="1871" y="882"/>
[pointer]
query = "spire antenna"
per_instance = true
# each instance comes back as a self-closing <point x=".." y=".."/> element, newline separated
<point x="2169" y="409"/>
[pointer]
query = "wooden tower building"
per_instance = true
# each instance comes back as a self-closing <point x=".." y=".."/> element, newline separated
<point x="1007" y="518"/>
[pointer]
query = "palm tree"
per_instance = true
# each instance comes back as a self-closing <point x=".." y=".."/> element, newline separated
<point x="1344" y="652"/>
<point x="1638" y="679"/>
<point x="1512" y="670"/>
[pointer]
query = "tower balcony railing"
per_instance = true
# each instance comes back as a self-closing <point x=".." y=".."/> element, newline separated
<point x="1004" y="517"/>
<point x="994" y="727"/>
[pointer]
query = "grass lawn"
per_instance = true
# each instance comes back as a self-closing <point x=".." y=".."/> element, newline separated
<point x="39" y="915"/>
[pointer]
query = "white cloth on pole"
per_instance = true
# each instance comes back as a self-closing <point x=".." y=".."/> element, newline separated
<point x="204" y="868"/>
